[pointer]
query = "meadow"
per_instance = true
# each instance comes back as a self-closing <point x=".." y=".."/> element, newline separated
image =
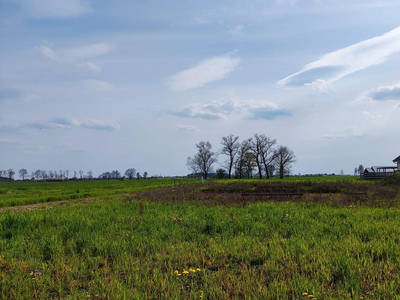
<point x="151" y="240"/>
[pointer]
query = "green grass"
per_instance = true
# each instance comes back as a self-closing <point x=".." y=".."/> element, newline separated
<point x="28" y="192"/>
<point x="122" y="247"/>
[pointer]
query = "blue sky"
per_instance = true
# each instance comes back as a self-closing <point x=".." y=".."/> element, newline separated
<point x="105" y="85"/>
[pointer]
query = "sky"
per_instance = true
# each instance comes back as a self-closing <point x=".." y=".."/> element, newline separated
<point x="110" y="85"/>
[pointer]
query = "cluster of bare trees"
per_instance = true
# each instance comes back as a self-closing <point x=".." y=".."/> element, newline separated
<point x="257" y="156"/>
<point x="42" y="174"/>
<point x="129" y="174"/>
<point x="7" y="174"/>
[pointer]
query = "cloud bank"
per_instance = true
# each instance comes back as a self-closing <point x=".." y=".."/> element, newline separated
<point x="335" y="65"/>
<point x="219" y="110"/>
<point x="209" y="70"/>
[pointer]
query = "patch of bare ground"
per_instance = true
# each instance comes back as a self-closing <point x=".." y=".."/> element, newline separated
<point x="48" y="205"/>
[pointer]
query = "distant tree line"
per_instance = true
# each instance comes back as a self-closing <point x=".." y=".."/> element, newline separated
<point x="64" y="175"/>
<point x="258" y="156"/>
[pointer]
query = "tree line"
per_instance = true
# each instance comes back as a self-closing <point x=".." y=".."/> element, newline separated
<point x="64" y="175"/>
<point x="259" y="156"/>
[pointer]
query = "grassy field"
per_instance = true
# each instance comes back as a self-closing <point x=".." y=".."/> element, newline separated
<point x="28" y="192"/>
<point x="203" y="242"/>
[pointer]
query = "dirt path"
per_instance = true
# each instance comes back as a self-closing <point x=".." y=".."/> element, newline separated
<point x="47" y="205"/>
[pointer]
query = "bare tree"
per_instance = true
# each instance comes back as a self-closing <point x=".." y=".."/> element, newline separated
<point x="204" y="159"/>
<point x="67" y="173"/>
<point x="37" y="174"/>
<point x="51" y="174"/>
<point x="145" y="174"/>
<point x="11" y="173"/>
<point x="241" y="158"/>
<point x="90" y="175"/>
<point x="74" y="174"/>
<point x="22" y="173"/>
<point x="360" y="169"/>
<point x="250" y="164"/>
<point x="43" y="174"/>
<point x="284" y="157"/>
<point x="130" y="173"/>
<point x="81" y="173"/>
<point x="230" y="147"/>
<point x="138" y="176"/>
<point x="256" y="144"/>
<point x="267" y="154"/>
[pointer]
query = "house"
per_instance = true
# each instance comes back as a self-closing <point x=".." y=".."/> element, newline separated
<point x="381" y="172"/>
<point x="397" y="160"/>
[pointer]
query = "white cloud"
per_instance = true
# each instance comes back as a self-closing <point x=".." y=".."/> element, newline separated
<point x="46" y="51"/>
<point x="349" y="133"/>
<point x="220" y="110"/>
<point x="188" y="128"/>
<point x="372" y="115"/>
<point x="236" y="30"/>
<point x="57" y="9"/>
<point x="11" y="141"/>
<point x="319" y="85"/>
<point x="97" y="85"/>
<point x="209" y="70"/>
<point x="382" y="93"/>
<point x="65" y="122"/>
<point x="90" y="67"/>
<point x="335" y="65"/>
<point x="77" y="53"/>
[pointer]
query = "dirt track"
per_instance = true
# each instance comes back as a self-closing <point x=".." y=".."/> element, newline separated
<point x="47" y="205"/>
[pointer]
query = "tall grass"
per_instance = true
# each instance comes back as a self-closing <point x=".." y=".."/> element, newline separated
<point x="119" y="248"/>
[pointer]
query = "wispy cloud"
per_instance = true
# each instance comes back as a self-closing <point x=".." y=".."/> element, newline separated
<point x="236" y="30"/>
<point x="97" y="85"/>
<point x="77" y="53"/>
<point x="54" y="9"/>
<point x="11" y="94"/>
<point x="209" y="70"/>
<point x="372" y="115"/>
<point x="335" y="65"/>
<point x="65" y="122"/>
<point x="90" y="67"/>
<point x="188" y="128"/>
<point x="220" y="110"/>
<point x="349" y="133"/>
<point x="11" y="141"/>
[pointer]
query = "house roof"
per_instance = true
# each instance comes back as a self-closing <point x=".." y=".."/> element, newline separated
<point x="397" y="159"/>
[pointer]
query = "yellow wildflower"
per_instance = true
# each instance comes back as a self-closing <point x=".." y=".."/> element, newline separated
<point x="31" y="273"/>
<point x="310" y="296"/>
<point x="176" y="272"/>
<point x="179" y="274"/>
<point x="33" y="278"/>
<point x="198" y="269"/>
<point x="287" y="215"/>
<point x="192" y="270"/>
<point x="185" y="272"/>
<point x="304" y="294"/>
